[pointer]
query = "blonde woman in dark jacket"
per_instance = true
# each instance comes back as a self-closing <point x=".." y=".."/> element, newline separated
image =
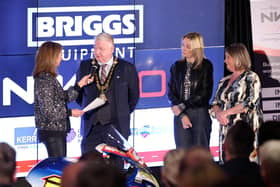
<point x="190" y="89"/>
<point x="50" y="100"/>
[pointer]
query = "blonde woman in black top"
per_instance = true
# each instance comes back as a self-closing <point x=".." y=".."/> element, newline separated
<point x="190" y="89"/>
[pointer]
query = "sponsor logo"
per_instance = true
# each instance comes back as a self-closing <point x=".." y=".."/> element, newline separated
<point x="272" y="16"/>
<point x="11" y="87"/>
<point x="28" y="135"/>
<point x="72" y="26"/>
<point x="146" y="130"/>
<point x="25" y="135"/>
<point x="71" y="135"/>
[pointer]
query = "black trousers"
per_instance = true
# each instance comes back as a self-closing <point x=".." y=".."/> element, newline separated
<point x="56" y="146"/>
<point x="198" y="134"/>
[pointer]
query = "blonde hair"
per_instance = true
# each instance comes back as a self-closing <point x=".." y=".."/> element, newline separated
<point x="46" y="56"/>
<point x="171" y="162"/>
<point x="198" y="169"/>
<point x="197" y="46"/>
<point x="239" y="53"/>
<point x="203" y="175"/>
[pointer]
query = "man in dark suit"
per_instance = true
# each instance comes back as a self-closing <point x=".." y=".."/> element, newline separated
<point x="117" y="84"/>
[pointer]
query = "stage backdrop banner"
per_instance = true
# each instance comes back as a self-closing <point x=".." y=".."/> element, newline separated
<point x="266" y="38"/>
<point x="146" y="33"/>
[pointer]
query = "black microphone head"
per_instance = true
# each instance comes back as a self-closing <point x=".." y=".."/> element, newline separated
<point x="94" y="67"/>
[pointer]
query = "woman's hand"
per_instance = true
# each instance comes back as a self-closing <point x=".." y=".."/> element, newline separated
<point x="77" y="112"/>
<point x="186" y="122"/>
<point x="87" y="79"/>
<point x="222" y="117"/>
<point x="176" y="110"/>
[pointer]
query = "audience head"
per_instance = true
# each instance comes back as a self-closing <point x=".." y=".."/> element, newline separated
<point x="92" y="170"/>
<point x="96" y="174"/>
<point x="7" y="164"/>
<point x="269" y="154"/>
<point x="193" y="42"/>
<point x="239" y="141"/>
<point x="170" y="169"/>
<point x="197" y="169"/>
<point x="70" y="174"/>
<point x="269" y="130"/>
<point x="92" y="156"/>
<point x="195" y="156"/>
<point x="203" y="175"/>
<point x="240" y="55"/>
<point x="48" y="58"/>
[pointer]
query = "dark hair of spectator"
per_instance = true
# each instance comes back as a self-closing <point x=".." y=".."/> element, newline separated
<point x="240" y="139"/>
<point x="7" y="161"/>
<point x="269" y="130"/>
<point x="96" y="174"/>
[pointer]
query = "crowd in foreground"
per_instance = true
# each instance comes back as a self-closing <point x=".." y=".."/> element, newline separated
<point x="192" y="167"/>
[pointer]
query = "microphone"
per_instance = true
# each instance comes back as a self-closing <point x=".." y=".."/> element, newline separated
<point x="93" y="69"/>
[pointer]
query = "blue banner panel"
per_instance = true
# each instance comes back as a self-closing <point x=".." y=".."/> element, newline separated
<point x="16" y="85"/>
<point x="165" y="22"/>
<point x="13" y="32"/>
